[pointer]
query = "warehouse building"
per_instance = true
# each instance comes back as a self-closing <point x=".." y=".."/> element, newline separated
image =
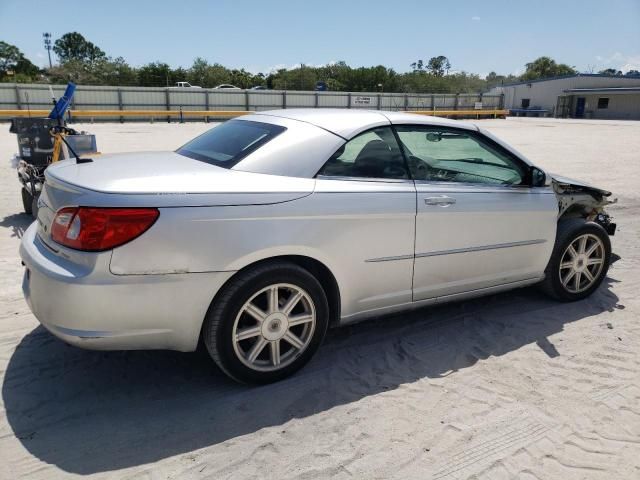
<point x="574" y="96"/>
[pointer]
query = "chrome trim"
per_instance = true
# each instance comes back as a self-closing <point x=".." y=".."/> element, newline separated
<point x="389" y="259"/>
<point x="481" y="248"/>
<point x="458" y="250"/>
<point x="444" y="186"/>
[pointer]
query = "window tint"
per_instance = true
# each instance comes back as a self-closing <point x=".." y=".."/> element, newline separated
<point x="228" y="143"/>
<point x="449" y="155"/>
<point x="372" y="154"/>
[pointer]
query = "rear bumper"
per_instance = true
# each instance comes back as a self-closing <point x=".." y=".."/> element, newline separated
<point x="89" y="307"/>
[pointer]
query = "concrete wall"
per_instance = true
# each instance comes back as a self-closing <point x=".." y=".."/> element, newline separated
<point x="545" y="93"/>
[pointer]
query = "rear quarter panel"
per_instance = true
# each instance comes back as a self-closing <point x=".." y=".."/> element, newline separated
<point x="336" y="228"/>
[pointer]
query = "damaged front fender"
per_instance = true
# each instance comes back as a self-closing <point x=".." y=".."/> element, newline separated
<point x="580" y="200"/>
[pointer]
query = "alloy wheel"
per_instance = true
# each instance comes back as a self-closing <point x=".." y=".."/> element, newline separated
<point x="274" y="327"/>
<point x="582" y="263"/>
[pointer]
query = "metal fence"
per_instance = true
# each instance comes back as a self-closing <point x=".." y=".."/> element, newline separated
<point x="38" y="97"/>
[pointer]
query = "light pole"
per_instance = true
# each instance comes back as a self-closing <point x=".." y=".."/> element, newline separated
<point x="47" y="45"/>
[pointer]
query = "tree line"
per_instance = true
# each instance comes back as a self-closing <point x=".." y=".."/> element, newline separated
<point x="84" y="63"/>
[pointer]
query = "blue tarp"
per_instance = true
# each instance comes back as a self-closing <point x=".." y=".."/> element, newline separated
<point x="63" y="102"/>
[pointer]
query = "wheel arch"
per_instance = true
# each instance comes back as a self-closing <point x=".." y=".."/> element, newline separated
<point x="318" y="269"/>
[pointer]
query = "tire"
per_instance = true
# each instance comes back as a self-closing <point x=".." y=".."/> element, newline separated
<point x="565" y="277"/>
<point x="253" y="290"/>
<point x="34" y="206"/>
<point x="27" y="201"/>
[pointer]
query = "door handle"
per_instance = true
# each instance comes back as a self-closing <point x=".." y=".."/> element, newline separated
<point x="440" y="201"/>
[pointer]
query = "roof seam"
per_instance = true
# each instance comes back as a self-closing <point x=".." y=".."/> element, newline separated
<point x="301" y="121"/>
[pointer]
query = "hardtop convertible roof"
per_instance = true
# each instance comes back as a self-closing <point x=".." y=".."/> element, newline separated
<point x="348" y="122"/>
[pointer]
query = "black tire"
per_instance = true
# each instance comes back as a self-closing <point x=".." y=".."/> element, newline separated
<point x="568" y="231"/>
<point x="34" y="206"/>
<point x="218" y="325"/>
<point x="27" y="201"/>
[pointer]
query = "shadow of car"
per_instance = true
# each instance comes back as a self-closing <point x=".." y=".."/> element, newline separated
<point x="66" y="404"/>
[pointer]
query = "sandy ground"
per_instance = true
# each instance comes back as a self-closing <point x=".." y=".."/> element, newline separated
<point x="509" y="386"/>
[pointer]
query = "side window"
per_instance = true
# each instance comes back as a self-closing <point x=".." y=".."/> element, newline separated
<point x="450" y="155"/>
<point x="372" y="154"/>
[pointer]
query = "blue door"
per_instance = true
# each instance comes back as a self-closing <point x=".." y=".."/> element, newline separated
<point x="580" y="107"/>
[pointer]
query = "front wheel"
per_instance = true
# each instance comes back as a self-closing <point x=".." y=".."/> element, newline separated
<point x="579" y="262"/>
<point x="266" y="323"/>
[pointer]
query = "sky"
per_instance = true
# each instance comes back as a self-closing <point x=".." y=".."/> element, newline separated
<point x="263" y="35"/>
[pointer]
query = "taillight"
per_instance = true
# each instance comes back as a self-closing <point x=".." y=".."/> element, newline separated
<point x="96" y="229"/>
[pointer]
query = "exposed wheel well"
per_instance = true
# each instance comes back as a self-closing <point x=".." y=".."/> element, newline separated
<point x="317" y="269"/>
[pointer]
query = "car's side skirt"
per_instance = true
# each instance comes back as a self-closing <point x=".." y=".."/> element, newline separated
<point x="356" y="317"/>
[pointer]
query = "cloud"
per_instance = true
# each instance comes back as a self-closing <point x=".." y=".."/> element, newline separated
<point x="475" y="18"/>
<point x="275" y="68"/>
<point x="39" y="58"/>
<point x="633" y="63"/>
<point x="620" y="61"/>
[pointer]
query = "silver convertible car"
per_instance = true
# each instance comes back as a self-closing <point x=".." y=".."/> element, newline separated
<point x="258" y="235"/>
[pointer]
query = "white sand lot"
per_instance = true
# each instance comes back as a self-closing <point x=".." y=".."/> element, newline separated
<point x="509" y="386"/>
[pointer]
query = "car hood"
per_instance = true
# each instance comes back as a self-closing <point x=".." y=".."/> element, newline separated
<point x="158" y="173"/>
<point x="561" y="180"/>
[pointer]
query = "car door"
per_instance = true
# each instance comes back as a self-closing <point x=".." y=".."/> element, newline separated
<point x="368" y="205"/>
<point x="479" y="223"/>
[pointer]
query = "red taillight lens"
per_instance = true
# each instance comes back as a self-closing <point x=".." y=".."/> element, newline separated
<point x="96" y="229"/>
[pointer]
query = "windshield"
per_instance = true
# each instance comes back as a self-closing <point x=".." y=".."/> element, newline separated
<point x="227" y="144"/>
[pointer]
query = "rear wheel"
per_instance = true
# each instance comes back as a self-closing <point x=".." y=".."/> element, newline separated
<point x="34" y="206"/>
<point x="266" y="323"/>
<point x="27" y="201"/>
<point x="579" y="262"/>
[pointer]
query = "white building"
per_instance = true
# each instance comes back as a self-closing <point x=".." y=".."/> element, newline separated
<point x="576" y="96"/>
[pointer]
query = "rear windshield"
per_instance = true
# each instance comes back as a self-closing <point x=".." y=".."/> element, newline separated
<point x="227" y="144"/>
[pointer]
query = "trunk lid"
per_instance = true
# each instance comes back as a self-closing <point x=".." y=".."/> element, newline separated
<point x="155" y="173"/>
<point x="157" y="179"/>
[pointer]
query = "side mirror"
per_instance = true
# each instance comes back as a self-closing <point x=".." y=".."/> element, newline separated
<point x="539" y="178"/>
<point x="434" y="137"/>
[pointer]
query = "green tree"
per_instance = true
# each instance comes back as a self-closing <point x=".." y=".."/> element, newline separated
<point x="493" y="79"/>
<point x="114" y="72"/>
<point x="207" y="75"/>
<point x="610" y="71"/>
<point x="545" y="67"/>
<point x="73" y="71"/>
<point x="106" y="71"/>
<point x="156" y="74"/>
<point x="73" y="46"/>
<point x="13" y="63"/>
<point x="439" y="65"/>
<point x="417" y="66"/>
<point x="198" y="73"/>
<point x="241" y="78"/>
